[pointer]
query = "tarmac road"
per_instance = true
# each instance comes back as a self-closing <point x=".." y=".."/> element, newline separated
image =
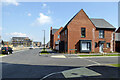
<point x="29" y="64"/>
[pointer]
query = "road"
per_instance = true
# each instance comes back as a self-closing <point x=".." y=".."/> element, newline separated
<point x="30" y="64"/>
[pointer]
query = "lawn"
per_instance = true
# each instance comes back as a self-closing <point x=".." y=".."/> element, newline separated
<point x="115" y="65"/>
<point x="99" y="55"/>
<point x="44" y="51"/>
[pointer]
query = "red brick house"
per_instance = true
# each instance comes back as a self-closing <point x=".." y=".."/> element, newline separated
<point x="55" y="38"/>
<point x="84" y="34"/>
<point x="117" y="40"/>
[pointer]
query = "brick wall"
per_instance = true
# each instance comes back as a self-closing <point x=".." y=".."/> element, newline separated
<point x="56" y="37"/>
<point x="81" y="20"/>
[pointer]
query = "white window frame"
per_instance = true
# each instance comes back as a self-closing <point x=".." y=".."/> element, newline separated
<point x="101" y="33"/>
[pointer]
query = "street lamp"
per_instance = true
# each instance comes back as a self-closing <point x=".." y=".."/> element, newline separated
<point x="44" y="40"/>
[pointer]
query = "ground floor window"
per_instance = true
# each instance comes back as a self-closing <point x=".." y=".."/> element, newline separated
<point x="108" y="45"/>
<point x="85" y="45"/>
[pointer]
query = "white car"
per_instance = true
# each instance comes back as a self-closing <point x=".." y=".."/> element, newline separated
<point x="31" y="47"/>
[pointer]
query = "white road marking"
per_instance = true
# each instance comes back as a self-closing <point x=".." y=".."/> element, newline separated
<point x="58" y="56"/>
<point x="100" y="57"/>
<point x="95" y="73"/>
<point x="49" y="75"/>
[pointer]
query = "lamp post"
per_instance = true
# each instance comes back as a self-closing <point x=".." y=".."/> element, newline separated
<point x="44" y="40"/>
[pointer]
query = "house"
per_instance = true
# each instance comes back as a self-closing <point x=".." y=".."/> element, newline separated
<point x="55" y="38"/>
<point x="117" y="40"/>
<point x="21" y="41"/>
<point x="84" y="34"/>
<point x="36" y="44"/>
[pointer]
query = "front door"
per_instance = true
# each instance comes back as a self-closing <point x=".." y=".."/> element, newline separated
<point x="101" y="48"/>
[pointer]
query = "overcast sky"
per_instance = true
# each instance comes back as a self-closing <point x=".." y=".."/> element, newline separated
<point x="30" y="18"/>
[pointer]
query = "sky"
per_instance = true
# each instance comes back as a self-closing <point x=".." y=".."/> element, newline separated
<point x="29" y="19"/>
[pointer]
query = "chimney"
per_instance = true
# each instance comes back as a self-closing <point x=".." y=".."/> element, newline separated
<point x="51" y="28"/>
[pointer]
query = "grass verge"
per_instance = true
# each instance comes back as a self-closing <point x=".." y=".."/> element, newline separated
<point x="44" y="51"/>
<point x="115" y="65"/>
<point x="99" y="55"/>
<point x="2" y="54"/>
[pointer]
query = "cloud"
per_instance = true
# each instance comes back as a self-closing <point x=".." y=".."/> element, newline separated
<point x="17" y="34"/>
<point x="9" y="2"/>
<point x="43" y="20"/>
<point x="49" y="12"/>
<point x="44" y="5"/>
<point x="29" y="14"/>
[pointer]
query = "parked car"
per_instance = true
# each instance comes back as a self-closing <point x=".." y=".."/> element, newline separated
<point x="6" y="50"/>
<point x="31" y="47"/>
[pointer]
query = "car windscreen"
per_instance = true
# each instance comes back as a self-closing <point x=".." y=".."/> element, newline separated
<point x="3" y="48"/>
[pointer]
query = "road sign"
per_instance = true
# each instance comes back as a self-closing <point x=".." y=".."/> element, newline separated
<point x="72" y="49"/>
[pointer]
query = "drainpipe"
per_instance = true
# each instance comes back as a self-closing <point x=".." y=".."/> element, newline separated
<point x="93" y="39"/>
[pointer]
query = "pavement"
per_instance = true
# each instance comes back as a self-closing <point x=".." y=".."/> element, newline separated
<point x="29" y="64"/>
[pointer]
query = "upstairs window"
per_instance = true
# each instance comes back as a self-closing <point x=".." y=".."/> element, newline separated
<point x="58" y="36"/>
<point x="65" y="32"/>
<point x="83" y="32"/>
<point x="101" y="33"/>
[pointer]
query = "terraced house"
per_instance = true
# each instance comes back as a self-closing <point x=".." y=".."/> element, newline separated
<point x="21" y="41"/>
<point x="84" y="34"/>
<point x="117" y="40"/>
<point x="55" y="38"/>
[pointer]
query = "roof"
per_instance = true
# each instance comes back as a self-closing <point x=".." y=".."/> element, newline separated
<point x="54" y="30"/>
<point x="20" y="38"/>
<point x="69" y="22"/>
<point x="118" y="30"/>
<point x="101" y="23"/>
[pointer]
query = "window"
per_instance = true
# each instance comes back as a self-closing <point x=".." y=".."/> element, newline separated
<point x="82" y="32"/>
<point x="85" y="45"/>
<point x="108" y="45"/>
<point x="95" y="44"/>
<point x="65" y="32"/>
<point x="58" y="36"/>
<point x="101" y="33"/>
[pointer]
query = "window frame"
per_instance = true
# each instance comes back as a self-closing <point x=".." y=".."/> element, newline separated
<point x="83" y="34"/>
<point x="88" y="45"/>
<point x="58" y="36"/>
<point x="107" y="45"/>
<point x="101" y="33"/>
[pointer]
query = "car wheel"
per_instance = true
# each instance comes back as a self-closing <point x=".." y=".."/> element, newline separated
<point x="8" y="53"/>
